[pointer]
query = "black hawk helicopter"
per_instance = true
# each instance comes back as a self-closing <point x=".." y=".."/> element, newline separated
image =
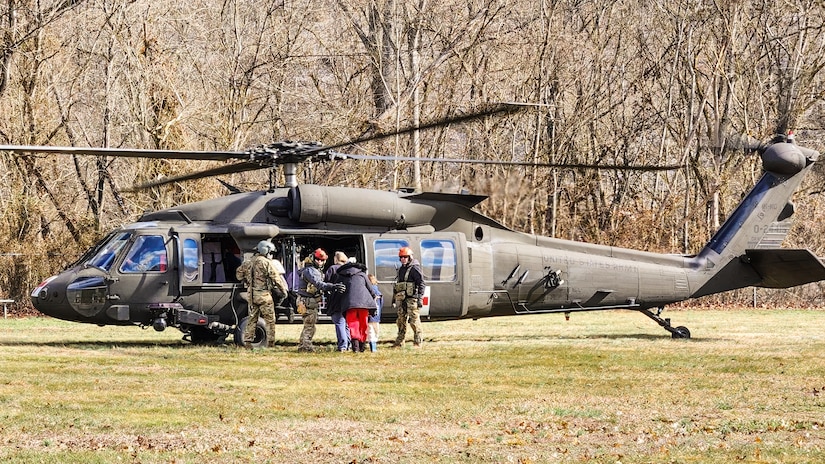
<point x="176" y="267"/>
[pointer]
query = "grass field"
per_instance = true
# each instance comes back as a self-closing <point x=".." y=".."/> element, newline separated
<point x="602" y="387"/>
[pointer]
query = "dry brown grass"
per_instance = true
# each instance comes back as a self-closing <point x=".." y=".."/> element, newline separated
<point x="603" y="387"/>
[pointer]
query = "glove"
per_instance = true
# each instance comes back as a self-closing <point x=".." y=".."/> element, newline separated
<point x="339" y="287"/>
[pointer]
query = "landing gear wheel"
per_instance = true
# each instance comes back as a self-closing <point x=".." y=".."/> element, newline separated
<point x="261" y="335"/>
<point x="680" y="332"/>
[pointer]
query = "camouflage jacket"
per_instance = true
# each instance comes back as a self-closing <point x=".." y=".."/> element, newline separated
<point x="259" y="273"/>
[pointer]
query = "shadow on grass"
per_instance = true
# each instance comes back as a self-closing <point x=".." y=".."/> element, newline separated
<point x="180" y="344"/>
<point x="664" y="336"/>
<point x="330" y="345"/>
<point x="624" y="336"/>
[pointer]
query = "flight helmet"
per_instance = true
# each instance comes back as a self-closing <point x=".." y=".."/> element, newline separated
<point x="265" y="247"/>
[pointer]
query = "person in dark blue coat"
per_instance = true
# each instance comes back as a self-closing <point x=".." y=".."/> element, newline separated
<point x="357" y="302"/>
<point x="334" y="309"/>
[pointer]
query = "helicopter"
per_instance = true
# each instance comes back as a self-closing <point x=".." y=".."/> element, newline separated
<point x="175" y="267"/>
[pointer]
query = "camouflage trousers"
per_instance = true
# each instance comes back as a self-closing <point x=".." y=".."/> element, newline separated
<point x="310" y="319"/>
<point x="260" y="307"/>
<point x="408" y="313"/>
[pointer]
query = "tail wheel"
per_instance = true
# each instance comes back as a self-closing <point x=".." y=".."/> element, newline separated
<point x="261" y="335"/>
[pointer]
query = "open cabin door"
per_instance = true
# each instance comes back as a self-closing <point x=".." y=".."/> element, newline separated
<point x="206" y="268"/>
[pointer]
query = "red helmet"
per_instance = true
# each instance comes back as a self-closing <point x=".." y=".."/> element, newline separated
<point x="405" y="251"/>
<point x="319" y="254"/>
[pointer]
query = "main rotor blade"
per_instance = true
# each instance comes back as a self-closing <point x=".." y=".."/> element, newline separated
<point x="478" y="114"/>
<point x="743" y="142"/>
<point x="127" y="152"/>
<point x="219" y="155"/>
<point x="222" y="170"/>
<point x="617" y="167"/>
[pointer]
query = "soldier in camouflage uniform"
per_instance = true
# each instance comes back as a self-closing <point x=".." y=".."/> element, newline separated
<point x="310" y="291"/>
<point x="408" y="293"/>
<point x="262" y="278"/>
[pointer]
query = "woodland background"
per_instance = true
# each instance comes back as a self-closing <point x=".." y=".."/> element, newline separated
<point x="609" y="82"/>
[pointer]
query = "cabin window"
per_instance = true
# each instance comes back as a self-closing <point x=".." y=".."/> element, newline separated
<point x="438" y="260"/>
<point x="148" y="254"/>
<point x="386" y="258"/>
<point x="190" y="260"/>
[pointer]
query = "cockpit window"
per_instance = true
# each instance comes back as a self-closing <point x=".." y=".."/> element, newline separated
<point x="148" y="254"/>
<point x="104" y="258"/>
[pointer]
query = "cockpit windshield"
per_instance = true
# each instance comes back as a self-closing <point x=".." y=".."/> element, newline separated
<point x="147" y="254"/>
<point x="105" y="256"/>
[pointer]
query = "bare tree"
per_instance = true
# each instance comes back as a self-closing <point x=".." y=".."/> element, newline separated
<point x="616" y="82"/>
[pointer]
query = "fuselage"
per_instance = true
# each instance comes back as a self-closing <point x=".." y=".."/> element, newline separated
<point x="473" y="266"/>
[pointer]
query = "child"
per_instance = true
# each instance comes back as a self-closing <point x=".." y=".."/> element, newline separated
<point x="374" y="320"/>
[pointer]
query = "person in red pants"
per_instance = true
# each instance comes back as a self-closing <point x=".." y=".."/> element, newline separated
<point x="357" y="302"/>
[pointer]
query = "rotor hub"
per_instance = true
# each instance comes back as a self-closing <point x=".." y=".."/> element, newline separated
<point x="286" y="152"/>
<point x="784" y="159"/>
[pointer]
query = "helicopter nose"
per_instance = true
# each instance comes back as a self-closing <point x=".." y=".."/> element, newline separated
<point x="50" y="299"/>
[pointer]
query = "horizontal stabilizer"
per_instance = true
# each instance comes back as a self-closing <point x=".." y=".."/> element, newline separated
<point x="783" y="268"/>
